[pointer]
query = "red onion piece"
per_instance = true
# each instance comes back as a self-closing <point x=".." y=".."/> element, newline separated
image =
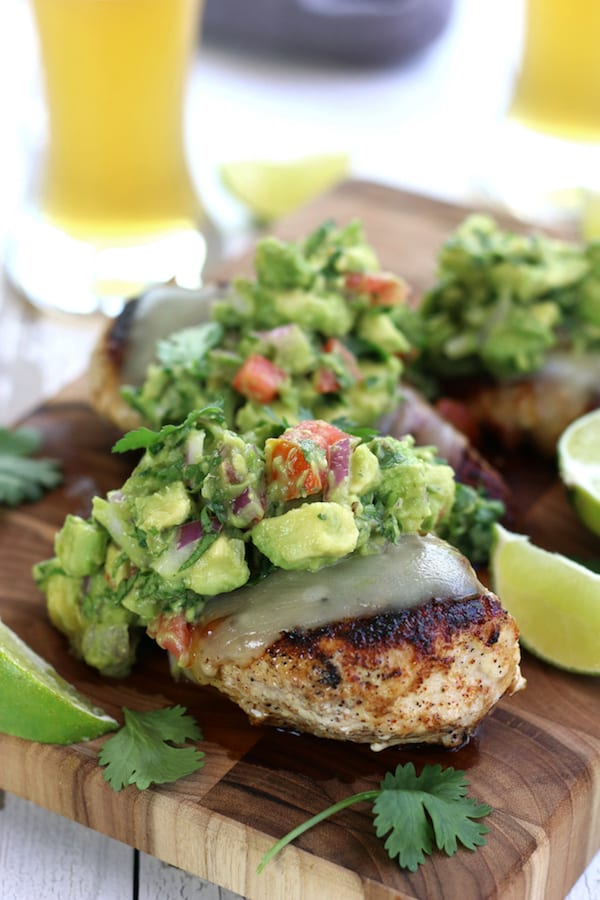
<point x="241" y="501"/>
<point x="188" y="533"/>
<point x="339" y="460"/>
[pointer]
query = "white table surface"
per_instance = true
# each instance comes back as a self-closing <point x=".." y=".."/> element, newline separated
<point x="418" y="126"/>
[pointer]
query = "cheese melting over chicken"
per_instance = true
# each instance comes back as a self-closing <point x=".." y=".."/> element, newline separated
<point x="238" y="627"/>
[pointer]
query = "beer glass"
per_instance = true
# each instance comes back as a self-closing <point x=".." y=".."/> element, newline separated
<point x="558" y="86"/>
<point x="111" y="206"/>
<point x="543" y="158"/>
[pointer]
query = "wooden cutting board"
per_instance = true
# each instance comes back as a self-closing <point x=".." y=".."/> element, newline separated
<point x="535" y="760"/>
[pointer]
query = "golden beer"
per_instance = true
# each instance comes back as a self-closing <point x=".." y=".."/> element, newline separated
<point x="558" y="86"/>
<point x="115" y="74"/>
<point x="111" y="206"/>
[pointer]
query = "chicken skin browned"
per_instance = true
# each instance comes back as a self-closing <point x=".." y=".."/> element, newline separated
<point x="426" y="673"/>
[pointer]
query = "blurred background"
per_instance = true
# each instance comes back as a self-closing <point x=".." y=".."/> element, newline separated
<point x="406" y="89"/>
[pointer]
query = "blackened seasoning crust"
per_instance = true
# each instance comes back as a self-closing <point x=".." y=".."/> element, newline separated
<point x="425" y="674"/>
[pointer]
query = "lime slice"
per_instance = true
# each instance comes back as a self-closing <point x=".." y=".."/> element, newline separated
<point x="555" y="602"/>
<point x="272" y="189"/>
<point x="579" y="466"/>
<point x="37" y="704"/>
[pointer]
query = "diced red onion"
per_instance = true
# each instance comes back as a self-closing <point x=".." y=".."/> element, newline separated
<point x="339" y="460"/>
<point x="241" y="501"/>
<point x="188" y="533"/>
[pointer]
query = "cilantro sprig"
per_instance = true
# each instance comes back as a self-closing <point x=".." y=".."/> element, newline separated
<point x="146" y="439"/>
<point x="23" y="479"/>
<point x="142" y="751"/>
<point x="416" y="812"/>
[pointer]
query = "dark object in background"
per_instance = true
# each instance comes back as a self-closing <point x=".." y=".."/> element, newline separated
<point x="356" y="31"/>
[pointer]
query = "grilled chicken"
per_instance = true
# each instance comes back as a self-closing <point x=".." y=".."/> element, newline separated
<point x="423" y="669"/>
<point x="128" y="344"/>
<point x="534" y="410"/>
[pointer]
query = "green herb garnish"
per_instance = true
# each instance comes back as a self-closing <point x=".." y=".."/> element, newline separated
<point x="142" y="752"/>
<point x="145" y="438"/>
<point x="416" y="812"/>
<point x="23" y="479"/>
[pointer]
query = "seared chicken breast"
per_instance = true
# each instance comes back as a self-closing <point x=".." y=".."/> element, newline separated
<point x="410" y="671"/>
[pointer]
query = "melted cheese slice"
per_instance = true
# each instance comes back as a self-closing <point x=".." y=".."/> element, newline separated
<point x="238" y="627"/>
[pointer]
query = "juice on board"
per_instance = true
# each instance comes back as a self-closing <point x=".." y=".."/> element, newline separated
<point x="558" y="86"/>
<point x="115" y="75"/>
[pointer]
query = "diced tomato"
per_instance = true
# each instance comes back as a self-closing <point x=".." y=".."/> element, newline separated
<point x="258" y="379"/>
<point x="174" y="634"/>
<point x="384" y="289"/>
<point x="459" y="415"/>
<point x="298" y="462"/>
<point x="322" y="433"/>
<point x="326" y="381"/>
<point x="291" y="472"/>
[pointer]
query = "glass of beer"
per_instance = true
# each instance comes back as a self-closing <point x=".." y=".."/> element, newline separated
<point x="557" y="90"/>
<point x="111" y="206"/>
<point x="542" y="159"/>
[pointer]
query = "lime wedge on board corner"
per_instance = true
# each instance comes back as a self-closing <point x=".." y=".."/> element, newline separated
<point x="38" y="704"/>
<point x="555" y="601"/>
<point x="579" y="467"/>
<point x="273" y="189"/>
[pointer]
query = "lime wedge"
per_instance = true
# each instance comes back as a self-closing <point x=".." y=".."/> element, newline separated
<point x="555" y="601"/>
<point x="579" y="467"/>
<point x="37" y="704"/>
<point x="590" y="215"/>
<point x="273" y="189"/>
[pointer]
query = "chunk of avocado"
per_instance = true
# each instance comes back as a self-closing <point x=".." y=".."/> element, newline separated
<point x="80" y="546"/>
<point x="376" y="327"/>
<point x="365" y="473"/>
<point x="221" y="568"/>
<point x="309" y="537"/>
<point x="328" y="314"/>
<point x="164" y="509"/>
<point x="64" y="594"/>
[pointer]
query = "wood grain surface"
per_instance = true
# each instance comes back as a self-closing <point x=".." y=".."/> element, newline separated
<point x="535" y="759"/>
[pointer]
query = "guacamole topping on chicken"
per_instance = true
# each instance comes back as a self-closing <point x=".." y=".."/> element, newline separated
<point x="208" y="510"/>
<point x="317" y="333"/>
<point x="502" y="302"/>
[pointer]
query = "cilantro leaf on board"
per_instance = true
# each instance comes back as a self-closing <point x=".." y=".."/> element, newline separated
<point x="142" y="751"/>
<point x="427" y="810"/>
<point x="23" y="479"/>
<point x="417" y="812"/>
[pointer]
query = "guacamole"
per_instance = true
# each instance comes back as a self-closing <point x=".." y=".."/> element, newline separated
<point x="208" y="510"/>
<point x="502" y="302"/>
<point x="317" y="333"/>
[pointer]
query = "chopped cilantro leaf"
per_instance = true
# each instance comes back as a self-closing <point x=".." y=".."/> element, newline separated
<point x="145" y="438"/>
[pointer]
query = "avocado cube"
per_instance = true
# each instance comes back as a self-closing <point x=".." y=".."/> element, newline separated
<point x="377" y="329"/>
<point x="221" y="568"/>
<point x="166" y="508"/>
<point x="63" y="599"/>
<point x="80" y="546"/>
<point x="365" y="473"/>
<point x="309" y="537"/>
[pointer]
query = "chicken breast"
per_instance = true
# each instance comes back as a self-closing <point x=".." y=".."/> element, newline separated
<point x="535" y="410"/>
<point x="424" y="671"/>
